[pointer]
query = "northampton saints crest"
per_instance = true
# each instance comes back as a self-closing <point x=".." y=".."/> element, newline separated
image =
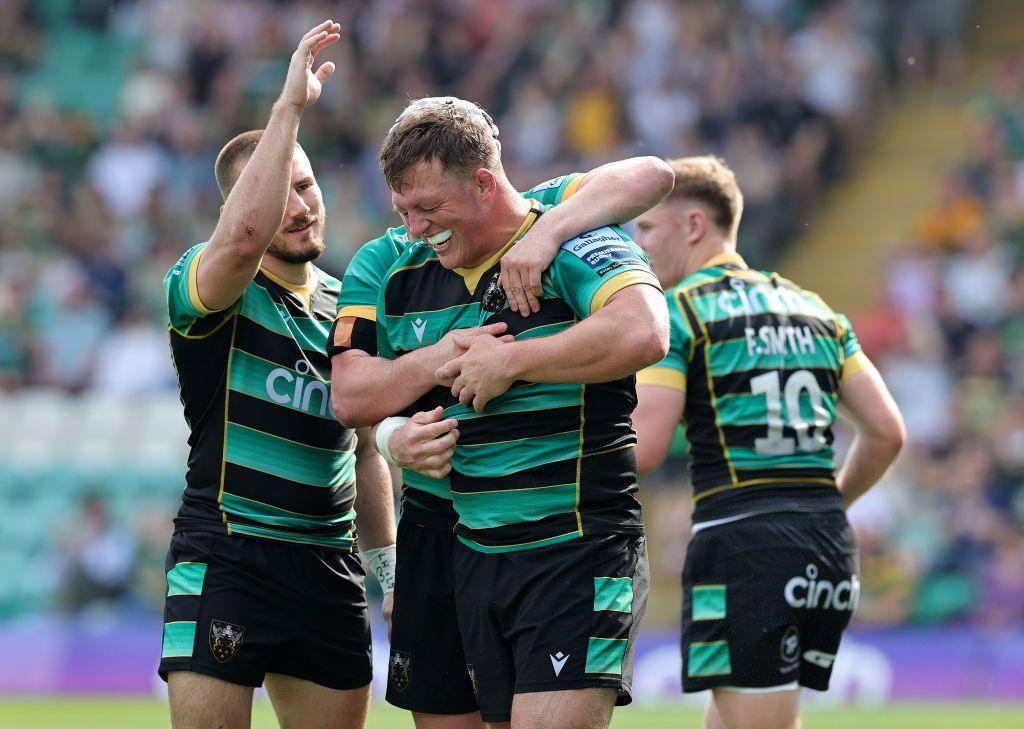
<point x="225" y="639"/>
<point x="494" y="298"/>
<point x="399" y="670"/>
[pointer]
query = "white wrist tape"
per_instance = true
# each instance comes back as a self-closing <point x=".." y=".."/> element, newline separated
<point x="382" y="564"/>
<point x="385" y="430"/>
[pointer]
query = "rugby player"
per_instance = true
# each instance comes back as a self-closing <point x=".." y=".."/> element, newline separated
<point x="549" y="571"/>
<point x="428" y="672"/>
<point x="757" y="370"/>
<point x="264" y="583"/>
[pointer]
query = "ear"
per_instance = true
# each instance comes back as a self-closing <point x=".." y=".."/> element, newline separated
<point x="696" y="225"/>
<point x="485" y="183"/>
<point x="221" y="211"/>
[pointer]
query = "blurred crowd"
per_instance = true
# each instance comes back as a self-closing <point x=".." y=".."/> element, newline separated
<point x="944" y="538"/>
<point x="112" y="113"/>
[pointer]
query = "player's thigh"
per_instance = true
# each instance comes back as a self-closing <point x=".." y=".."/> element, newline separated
<point x="470" y="720"/>
<point x="587" y="708"/>
<point x="301" y="704"/>
<point x="199" y="701"/>
<point x="761" y="710"/>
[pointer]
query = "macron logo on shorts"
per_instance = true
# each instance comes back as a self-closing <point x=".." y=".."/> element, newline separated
<point x="558" y="661"/>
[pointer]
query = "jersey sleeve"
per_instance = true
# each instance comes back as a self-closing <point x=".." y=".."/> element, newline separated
<point x="671" y="371"/>
<point x="854" y="359"/>
<point x="590" y="268"/>
<point x="557" y="190"/>
<point x="355" y="322"/>
<point x="184" y="307"/>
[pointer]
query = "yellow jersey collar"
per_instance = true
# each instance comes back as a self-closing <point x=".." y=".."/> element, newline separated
<point x="303" y="291"/>
<point x="727" y="257"/>
<point x="472" y="276"/>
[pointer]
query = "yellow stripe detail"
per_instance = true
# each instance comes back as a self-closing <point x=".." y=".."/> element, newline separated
<point x="663" y="377"/>
<point x="572" y="187"/>
<point x="193" y="285"/>
<point x="726" y="257"/>
<point x="227" y="399"/>
<point x="619" y="282"/>
<point x="853" y="364"/>
<point x="361" y="312"/>
<point x="711" y="385"/>
<point x="757" y="481"/>
<point x="579" y="458"/>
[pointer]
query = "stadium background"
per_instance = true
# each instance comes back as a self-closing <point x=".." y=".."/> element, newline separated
<point x="880" y="146"/>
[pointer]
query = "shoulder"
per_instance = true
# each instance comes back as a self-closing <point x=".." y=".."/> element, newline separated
<point x="596" y="246"/>
<point x="383" y="251"/>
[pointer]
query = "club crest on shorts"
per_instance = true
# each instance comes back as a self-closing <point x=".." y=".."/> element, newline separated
<point x="399" y="670"/>
<point x="789" y="646"/>
<point x="225" y="639"/>
<point x="472" y="676"/>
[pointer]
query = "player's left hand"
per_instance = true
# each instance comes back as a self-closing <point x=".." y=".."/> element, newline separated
<point x="479" y="375"/>
<point x="524" y="264"/>
<point x="386" y="606"/>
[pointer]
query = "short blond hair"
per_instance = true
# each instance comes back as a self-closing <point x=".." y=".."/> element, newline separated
<point x="457" y="133"/>
<point x="708" y="180"/>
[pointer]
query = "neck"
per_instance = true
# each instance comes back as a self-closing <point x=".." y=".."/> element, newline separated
<point x="294" y="273"/>
<point x="509" y="210"/>
<point x="707" y="250"/>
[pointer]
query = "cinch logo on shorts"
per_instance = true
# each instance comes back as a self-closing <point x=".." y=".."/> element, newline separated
<point x="810" y="592"/>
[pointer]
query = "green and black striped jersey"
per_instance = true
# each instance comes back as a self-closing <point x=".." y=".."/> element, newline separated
<point x="268" y="459"/>
<point x="545" y="462"/>
<point x="355" y="328"/>
<point x="761" y="361"/>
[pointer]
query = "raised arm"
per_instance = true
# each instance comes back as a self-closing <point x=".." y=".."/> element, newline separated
<point x="625" y="335"/>
<point x="255" y="207"/>
<point x="607" y="195"/>
<point x="865" y="401"/>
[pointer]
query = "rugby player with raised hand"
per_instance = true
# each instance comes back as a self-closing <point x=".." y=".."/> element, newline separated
<point x="264" y="584"/>
<point x="549" y="570"/>
<point x="428" y="669"/>
<point x="757" y="370"/>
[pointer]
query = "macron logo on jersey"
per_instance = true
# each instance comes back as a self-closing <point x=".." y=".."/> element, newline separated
<point x="418" y="328"/>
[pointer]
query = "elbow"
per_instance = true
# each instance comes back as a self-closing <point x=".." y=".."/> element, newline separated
<point x="896" y="437"/>
<point x="653" y="345"/>
<point x="646" y="460"/>
<point x="662" y="178"/>
<point x="348" y="411"/>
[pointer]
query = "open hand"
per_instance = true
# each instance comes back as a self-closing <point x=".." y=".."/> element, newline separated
<point x="302" y="86"/>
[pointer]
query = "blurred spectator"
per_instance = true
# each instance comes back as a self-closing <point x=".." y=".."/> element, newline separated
<point x="99" y="558"/>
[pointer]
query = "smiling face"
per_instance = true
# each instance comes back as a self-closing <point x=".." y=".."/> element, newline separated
<point x="445" y="210"/>
<point x="300" y="238"/>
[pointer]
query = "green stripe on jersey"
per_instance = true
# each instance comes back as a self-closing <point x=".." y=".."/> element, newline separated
<point x="486" y="509"/>
<point x="733" y="356"/>
<point x="543" y="396"/>
<point x="288" y="459"/>
<point x="270" y="382"/>
<point x="308" y="333"/>
<point x="186" y="578"/>
<point x="179" y="639"/>
<point x="488" y="549"/>
<point x="506" y="457"/>
<point x="336" y="541"/>
<point x="435" y="486"/>
<point x="273" y="516"/>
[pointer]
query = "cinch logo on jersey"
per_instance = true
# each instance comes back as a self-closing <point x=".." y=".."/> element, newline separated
<point x="810" y="592"/>
<point x="300" y="395"/>
<point x="744" y="300"/>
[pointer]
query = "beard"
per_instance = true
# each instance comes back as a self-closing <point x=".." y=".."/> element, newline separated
<point x="305" y="249"/>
